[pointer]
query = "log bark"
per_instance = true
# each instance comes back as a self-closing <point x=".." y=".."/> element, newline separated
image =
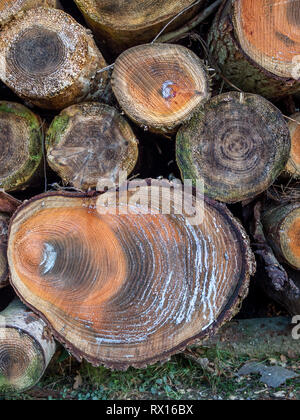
<point x="282" y="228"/>
<point x="4" y="220"/>
<point x="9" y="9"/>
<point x="121" y="286"/>
<point x="293" y="165"/>
<point x="50" y="60"/>
<point x="237" y="143"/>
<point x="8" y="205"/>
<point x="256" y="45"/>
<point x="89" y="142"/>
<point x="26" y="348"/>
<point x="21" y="146"/>
<point x="159" y="86"/>
<point x="281" y="283"/>
<point x="132" y="22"/>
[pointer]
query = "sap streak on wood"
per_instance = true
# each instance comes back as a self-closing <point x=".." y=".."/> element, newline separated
<point x="26" y="348"/>
<point x="133" y="288"/>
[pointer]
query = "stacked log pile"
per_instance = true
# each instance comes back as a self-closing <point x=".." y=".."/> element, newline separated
<point x="129" y="271"/>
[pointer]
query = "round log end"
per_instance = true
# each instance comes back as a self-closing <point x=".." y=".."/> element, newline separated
<point x="290" y="237"/>
<point x="237" y="143"/>
<point x="272" y="40"/>
<point x="21" y="361"/>
<point x="21" y="137"/>
<point x="25" y="349"/>
<point x="90" y="142"/>
<point x="49" y="59"/>
<point x="282" y="227"/>
<point x="128" y="287"/>
<point x="293" y="165"/>
<point x="159" y="86"/>
<point x="9" y="8"/>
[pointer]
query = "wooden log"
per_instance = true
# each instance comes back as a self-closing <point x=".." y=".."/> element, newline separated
<point x="237" y="143"/>
<point x="293" y="165"/>
<point x="10" y="8"/>
<point x="159" y="86"/>
<point x="21" y="146"/>
<point x="121" y="286"/>
<point x="133" y="22"/>
<point x="4" y="220"/>
<point x="50" y="60"/>
<point x="256" y="45"/>
<point x="89" y="142"/>
<point x="8" y="205"/>
<point x="282" y="228"/>
<point x="26" y="348"/>
<point x="277" y="280"/>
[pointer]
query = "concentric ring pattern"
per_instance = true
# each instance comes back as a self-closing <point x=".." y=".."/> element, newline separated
<point x="123" y="289"/>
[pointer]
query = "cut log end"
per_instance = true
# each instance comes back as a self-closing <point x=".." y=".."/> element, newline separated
<point x="49" y="46"/>
<point x="159" y="86"/>
<point x="90" y="142"/>
<point x="293" y="165"/>
<point x="282" y="227"/>
<point x="4" y="220"/>
<point x="9" y="8"/>
<point x="119" y="289"/>
<point x="132" y="14"/>
<point x="24" y="351"/>
<point x="21" y="137"/>
<point x="256" y="45"/>
<point x="290" y="238"/>
<point x="273" y="40"/>
<point x="238" y="144"/>
<point x="133" y="22"/>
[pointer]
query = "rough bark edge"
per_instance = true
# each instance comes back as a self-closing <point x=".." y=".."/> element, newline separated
<point x="8" y="205"/>
<point x="265" y="77"/>
<point x="231" y="308"/>
<point x="279" y="285"/>
<point x="31" y="167"/>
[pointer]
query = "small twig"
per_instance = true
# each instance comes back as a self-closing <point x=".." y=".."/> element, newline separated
<point x="173" y="19"/>
<point x="190" y="25"/>
<point x="292" y="119"/>
<point x="111" y="66"/>
<point x="44" y="158"/>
